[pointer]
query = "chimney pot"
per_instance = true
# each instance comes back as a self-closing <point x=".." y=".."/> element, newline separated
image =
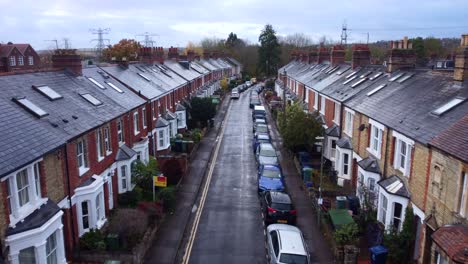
<point x="67" y="59"/>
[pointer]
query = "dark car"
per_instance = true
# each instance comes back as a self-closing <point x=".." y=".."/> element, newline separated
<point x="278" y="208"/>
<point x="260" y="138"/>
<point x="270" y="178"/>
<point x="254" y="102"/>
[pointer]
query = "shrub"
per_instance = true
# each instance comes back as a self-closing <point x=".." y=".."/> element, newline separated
<point x="130" y="225"/>
<point x="93" y="240"/>
<point x="168" y="197"/>
<point x="347" y="234"/>
<point x="129" y="199"/>
<point x="196" y="135"/>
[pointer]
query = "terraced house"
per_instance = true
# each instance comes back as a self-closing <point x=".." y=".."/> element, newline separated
<point x="389" y="132"/>
<point x="70" y="137"/>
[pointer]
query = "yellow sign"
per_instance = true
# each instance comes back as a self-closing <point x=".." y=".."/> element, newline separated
<point x="160" y="181"/>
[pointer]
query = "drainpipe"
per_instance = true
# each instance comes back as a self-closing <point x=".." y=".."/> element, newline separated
<point x="72" y="217"/>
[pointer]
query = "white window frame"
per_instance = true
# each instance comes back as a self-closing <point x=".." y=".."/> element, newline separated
<point x="349" y="120"/>
<point x="31" y="60"/>
<point x="161" y="139"/>
<point x="143" y="117"/>
<point x="111" y="192"/>
<point x="107" y="141"/>
<point x="306" y="99"/>
<point x="337" y="113"/>
<point x="153" y="110"/>
<point x="120" y="130"/>
<point x="20" y="61"/>
<point x="100" y="144"/>
<point x="346" y="164"/>
<point x="52" y="252"/>
<point x="88" y="194"/>
<point x="83" y="156"/>
<point x="136" y="121"/>
<point x="322" y="104"/>
<point x="463" y="196"/>
<point x="400" y="224"/>
<point x="400" y="141"/>
<point x="12" y="61"/>
<point x="123" y="181"/>
<point x="376" y="150"/>
<point x="383" y="204"/>
<point x="316" y="100"/>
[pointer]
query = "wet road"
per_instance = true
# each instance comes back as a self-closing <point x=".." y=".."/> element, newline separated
<point x="230" y="228"/>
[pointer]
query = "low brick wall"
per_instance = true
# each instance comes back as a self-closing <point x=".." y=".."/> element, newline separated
<point x="136" y="256"/>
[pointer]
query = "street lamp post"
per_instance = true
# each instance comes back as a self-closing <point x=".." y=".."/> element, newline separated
<point x="320" y="201"/>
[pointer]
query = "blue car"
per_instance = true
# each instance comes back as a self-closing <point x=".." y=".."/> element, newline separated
<point x="270" y="178"/>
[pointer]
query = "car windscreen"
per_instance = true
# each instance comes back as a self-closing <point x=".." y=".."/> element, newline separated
<point x="268" y="152"/>
<point x="262" y="129"/>
<point x="293" y="259"/>
<point x="271" y="174"/>
<point x="281" y="207"/>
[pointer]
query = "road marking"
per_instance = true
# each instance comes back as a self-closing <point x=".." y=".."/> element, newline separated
<point x="193" y="232"/>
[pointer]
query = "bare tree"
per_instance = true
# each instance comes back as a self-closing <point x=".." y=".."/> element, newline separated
<point x="297" y="40"/>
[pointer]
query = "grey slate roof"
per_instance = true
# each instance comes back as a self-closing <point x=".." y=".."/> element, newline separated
<point x="454" y="140"/>
<point x="370" y="164"/>
<point x="344" y="143"/>
<point x="333" y="131"/>
<point x="161" y="122"/>
<point x="124" y="153"/>
<point x="406" y="107"/>
<point x="25" y="137"/>
<point x="180" y="107"/>
<point x="169" y="115"/>
<point x="36" y="219"/>
<point x="208" y="65"/>
<point x="394" y="185"/>
<point x="188" y="74"/>
<point x="196" y="65"/>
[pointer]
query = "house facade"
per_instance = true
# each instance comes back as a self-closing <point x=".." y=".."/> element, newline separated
<point x="18" y="57"/>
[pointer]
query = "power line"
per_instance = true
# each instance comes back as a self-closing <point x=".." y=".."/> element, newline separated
<point x="344" y="33"/>
<point x="148" y="40"/>
<point x="100" y="40"/>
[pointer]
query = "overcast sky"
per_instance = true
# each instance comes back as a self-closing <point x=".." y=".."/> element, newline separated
<point x="176" y="22"/>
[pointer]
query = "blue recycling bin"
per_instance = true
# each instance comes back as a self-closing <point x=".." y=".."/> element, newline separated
<point x="378" y="254"/>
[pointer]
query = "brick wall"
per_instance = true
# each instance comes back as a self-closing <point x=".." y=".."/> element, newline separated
<point x="329" y="112"/>
<point x="52" y="181"/>
<point x="311" y="100"/>
<point x="4" y="214"/>
<point x="444" y="198"/>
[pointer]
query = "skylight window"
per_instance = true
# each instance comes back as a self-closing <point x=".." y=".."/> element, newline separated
<point x="144" y="77"/>
<point x="349" y="80"/>
<point x="405" y="78"/>
<point x="377" y="75"/>
<point x="351" y="74"/>
<point x="47" y="91"/>
<point x="365" y="74"/>
<point x="378" y="88"/>
<point x="96" y="83"/>
<point x="91" y="99"/>
<point x="325" y="68"/>
<point x="114" y="87"/>
<point x="358" y="82"/>
<point x="29" y="106"/>
<point x="449" y="105"/>
<point x="333" y="70"/>
<point x="394" y="78"/>
<point x="340" y="72"/>
<point x="139" y="68"/>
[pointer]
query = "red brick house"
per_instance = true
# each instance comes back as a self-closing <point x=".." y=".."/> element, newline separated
<point x="18" y="57"/>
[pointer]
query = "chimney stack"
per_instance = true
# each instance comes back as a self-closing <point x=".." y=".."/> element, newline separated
<point x="401" y="55"/>
<point x="360" y="56"/>
<point x="190" y="55"/>
<point x="461" y="61"/>
<point x="206" y="55"/>
<point x="323" y="54"/>
<point x="173" y="54"/>
<point x="67" y="59"/>
<point x="337" y="55"/>
<point x="313" y="57"/>
<point x="146" y="55"/>
<point x="304" y="57"/>
<point x="293" y="55"/>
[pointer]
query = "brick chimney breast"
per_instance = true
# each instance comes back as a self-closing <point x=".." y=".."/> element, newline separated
<point x="323" y="54"/>
<point x="67" y="59"/>
<point x="360" y="56"/>
<point x="337" y="55"/>
<point x="401" y="56"/>
<point x="461" y="61"/>
<point x="313" y="57"/>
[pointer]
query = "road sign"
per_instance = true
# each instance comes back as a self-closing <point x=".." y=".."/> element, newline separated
<point x="160" y="181"/>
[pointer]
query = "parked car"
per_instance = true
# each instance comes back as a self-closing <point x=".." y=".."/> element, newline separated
<point x="260" y="138"/>
<point x="266" y="154"/>
<point x="254" y="102"/>
<point x="258" y="110"/>
<point x="235" y="93"/>
<point x="277" y="207"/>
<point x="259" y="122"/>
<point x="261" y="129"/>
<point x="286" y="244"/>
<point x="270" y="178"/>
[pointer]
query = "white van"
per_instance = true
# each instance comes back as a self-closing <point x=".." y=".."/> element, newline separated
<point x="258" y="110"/>
<point x="235" y="94"/>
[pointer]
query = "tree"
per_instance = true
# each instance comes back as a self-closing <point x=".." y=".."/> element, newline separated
<point x="269" y="51"/>
<point x="401" y="244"/>
<point x="212" y="43"/>
<point x="433" y="47"/>
<point x="297" y="40"/>
<point x="202" y="110"/>
<point x="224" y="84"/>
<point x="233" y="42"/>
<point x="127" y="48"/>
<point x="418" y="47"/>
<point x="298" y="129"/>
<point x="142" y="176"/>
<point x="194" y="48"/>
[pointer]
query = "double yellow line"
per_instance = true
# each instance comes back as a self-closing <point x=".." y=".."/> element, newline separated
<point x="193" y="232"/>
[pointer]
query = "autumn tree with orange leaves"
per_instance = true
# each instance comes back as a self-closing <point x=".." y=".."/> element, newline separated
<point x="126" y="48"/>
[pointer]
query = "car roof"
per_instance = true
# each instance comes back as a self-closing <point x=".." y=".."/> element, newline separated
<point x="280" y="197"/>
<point x="270" y="167"/>
<point x="259" y="107"/>
<point x="267" y="146"/>
<point x="263" y="136"/>
<point x="290" y="239"/>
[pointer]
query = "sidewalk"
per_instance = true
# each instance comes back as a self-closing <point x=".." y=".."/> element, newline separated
<point x="170" y="234"/>
<point x="306" y="216"/>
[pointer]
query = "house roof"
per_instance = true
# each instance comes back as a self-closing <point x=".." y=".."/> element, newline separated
<point x="407" y="106"/>
<point x="370" y="164"/>
<point x="36" y="219"/>
<point x="333" y="131"/>
<point x="208" y="64"/>
<point x="161" y="122"/>
<point x="187" y="73"/>
<point x="5" y="49"/>
<point x="394" y="185"/>
<point x="169" y="115"/>
<point x="180" y="107"/>
<point x="344" y="143"/>
<point x="233" y="61"/>
<point x="124" y="153"/>
<point x="196" y="65"/>
<point x="454" y="140"/>
<point x="67" y="117"/>
<point x="453" y="239"/>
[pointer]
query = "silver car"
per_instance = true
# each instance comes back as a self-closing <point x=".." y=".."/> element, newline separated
<point x="266" y="154"/>
<point x="286" y="245"/>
